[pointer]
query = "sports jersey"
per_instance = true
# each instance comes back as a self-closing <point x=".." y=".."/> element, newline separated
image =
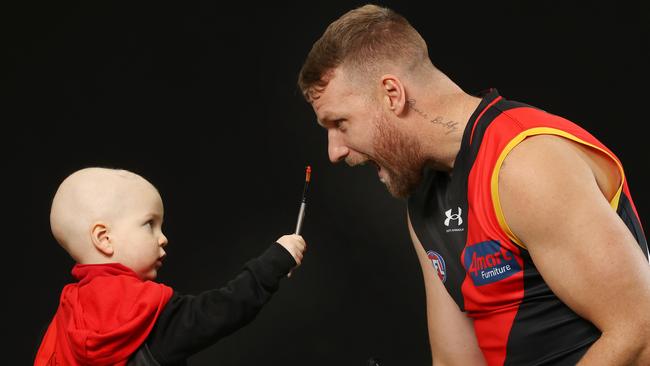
<point x="485" y="268"/>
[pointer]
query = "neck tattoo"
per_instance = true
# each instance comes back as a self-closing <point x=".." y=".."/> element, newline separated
<point x="451" y="126"/>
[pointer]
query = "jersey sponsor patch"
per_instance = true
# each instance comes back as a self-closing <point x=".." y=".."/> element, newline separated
<point x="488" y="262"/>
<point x="438" y="264"/>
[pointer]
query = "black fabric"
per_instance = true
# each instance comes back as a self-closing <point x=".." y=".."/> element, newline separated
<point x="427" y="214"/>
<point x="626" y="212"/>
<point x="546" y="331"/>
<point x="438" y="193"/>
<point x="143" y="357"/>
<point x="190" y="323"/>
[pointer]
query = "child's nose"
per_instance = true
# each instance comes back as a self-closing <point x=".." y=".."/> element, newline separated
<point x="162" y="241"/>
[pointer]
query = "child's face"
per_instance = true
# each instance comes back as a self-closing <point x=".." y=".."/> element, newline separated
<point x="136" y="234"/>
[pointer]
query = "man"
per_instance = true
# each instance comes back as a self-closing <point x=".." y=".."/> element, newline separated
<point x="530" y="245"/>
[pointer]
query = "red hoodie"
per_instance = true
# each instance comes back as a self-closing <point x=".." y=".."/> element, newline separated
<point x="103" y="318"/>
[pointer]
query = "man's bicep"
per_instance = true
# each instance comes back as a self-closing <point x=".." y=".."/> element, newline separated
<point x="580" y="246"/>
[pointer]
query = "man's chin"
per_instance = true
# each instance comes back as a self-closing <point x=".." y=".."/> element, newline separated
<point x="400" y="189"/>
<point x="397" y="192"/>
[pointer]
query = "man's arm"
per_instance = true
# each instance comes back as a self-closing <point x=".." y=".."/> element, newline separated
<point x="553" y="196"/>
<point x="451" y="332"/>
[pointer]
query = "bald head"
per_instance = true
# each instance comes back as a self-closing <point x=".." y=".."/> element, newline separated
<point x="86" y="197"/>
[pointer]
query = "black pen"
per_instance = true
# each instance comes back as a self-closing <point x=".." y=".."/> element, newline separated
<point x="303" y="203"/>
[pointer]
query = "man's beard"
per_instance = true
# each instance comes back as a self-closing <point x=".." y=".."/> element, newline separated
<point x="400" y="156"/>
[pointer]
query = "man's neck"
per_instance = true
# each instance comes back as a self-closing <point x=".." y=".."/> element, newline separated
<point x="445" y="117"/>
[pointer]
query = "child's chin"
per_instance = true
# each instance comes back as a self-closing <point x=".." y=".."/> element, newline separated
<point x="150" y="276"/>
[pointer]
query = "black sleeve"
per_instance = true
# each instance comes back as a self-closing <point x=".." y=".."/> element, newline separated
<point x="189" y="323"/>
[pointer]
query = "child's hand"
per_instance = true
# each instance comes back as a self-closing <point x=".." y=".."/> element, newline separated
<point x="295" y="244"/>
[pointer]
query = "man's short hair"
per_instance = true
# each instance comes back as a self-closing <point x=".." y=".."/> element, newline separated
<point x="362" y="39"/>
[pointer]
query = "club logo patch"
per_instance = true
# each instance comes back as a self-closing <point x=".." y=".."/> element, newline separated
<point x="487" y="262"/>
<point x="438" y="264"/>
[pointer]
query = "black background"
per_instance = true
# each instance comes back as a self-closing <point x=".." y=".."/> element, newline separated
<point x="201" y="99"/>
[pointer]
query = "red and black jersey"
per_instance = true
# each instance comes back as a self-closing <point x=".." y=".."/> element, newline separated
<point x="112" y="317"/>
<point x="485" y="268"/>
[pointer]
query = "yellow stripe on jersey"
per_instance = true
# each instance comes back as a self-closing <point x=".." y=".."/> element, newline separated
<point x="494" y="184"/>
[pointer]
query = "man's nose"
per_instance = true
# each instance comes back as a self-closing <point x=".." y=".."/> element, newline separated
<point x="336" y="150"/>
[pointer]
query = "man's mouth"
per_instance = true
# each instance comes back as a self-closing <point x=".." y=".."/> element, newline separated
<point x="380" y="170"/>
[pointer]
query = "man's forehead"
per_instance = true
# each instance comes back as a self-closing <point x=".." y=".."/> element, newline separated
<point x="327" y="112"/>
<point x="322" y="117"/>
<point x="321" y="105"/>
<point x="334" y="81"/>
<point x="330" y="97"/>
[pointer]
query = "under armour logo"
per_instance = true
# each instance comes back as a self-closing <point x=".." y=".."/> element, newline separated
<point x="451" y="216"/>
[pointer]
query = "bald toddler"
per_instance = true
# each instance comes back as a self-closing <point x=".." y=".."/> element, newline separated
<point x="110" y="222"/>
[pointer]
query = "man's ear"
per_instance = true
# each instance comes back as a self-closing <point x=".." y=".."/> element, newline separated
<point x="393" y="93"/>
<point x="101" y="240"/>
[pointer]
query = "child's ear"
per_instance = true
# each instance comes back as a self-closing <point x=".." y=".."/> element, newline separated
<point x="100" y="238"/>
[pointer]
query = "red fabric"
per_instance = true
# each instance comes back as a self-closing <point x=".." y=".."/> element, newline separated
<point x="103" y="318"/>
<point x="494" y="306"/>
